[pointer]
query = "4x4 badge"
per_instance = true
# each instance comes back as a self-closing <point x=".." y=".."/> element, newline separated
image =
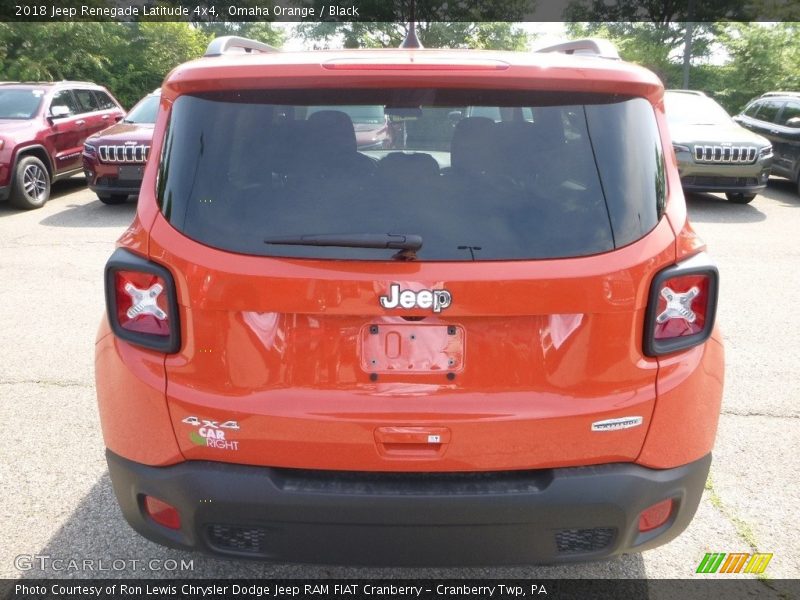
<point x="438" y="300"/>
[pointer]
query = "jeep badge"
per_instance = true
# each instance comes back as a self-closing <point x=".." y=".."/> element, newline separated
<point x="438" y="300"/>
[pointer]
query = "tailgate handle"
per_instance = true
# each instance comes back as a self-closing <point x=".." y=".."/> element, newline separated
<point x="412" y="442"/>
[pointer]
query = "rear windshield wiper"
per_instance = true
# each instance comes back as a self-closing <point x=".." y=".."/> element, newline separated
<point x="392" y="241"/>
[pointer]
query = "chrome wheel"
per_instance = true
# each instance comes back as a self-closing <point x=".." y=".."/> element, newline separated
<point x="34" y="182"/>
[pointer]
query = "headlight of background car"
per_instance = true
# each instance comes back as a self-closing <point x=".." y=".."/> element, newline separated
<point x="89" y="149"/>
<point x="680" y="148"/>
<point x="765" y="152"/>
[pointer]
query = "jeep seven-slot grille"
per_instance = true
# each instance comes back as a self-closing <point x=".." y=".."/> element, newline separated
<point x="128" y="153"/>
<point x="725" y="154"/>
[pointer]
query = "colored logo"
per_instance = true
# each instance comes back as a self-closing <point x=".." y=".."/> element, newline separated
<point x="212" y="433"/>
<point x="720" y="562"/>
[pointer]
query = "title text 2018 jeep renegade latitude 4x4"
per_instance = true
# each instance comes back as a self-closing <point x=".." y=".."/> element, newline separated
<point x="491" y="343"/>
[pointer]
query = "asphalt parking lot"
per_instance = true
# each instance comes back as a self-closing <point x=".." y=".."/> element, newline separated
<point x="55" y="495"/>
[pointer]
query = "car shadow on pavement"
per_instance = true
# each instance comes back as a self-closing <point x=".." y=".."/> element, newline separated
<point x="708" y="208"/>
<point x="782" y="191"/>
<point x="94" y="214"/>
<point x="57" y="190"/>
<point x="96" y="532"/>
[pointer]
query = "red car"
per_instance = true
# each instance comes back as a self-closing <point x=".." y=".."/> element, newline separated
<point x="493" y="344"/>
<point x="114" y="159"/>
<point x="374" y="130"/>
<point x="42" y="129"/>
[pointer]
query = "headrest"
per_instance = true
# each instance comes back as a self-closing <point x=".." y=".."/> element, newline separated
<point x="515" y="144"/>
<point x="408" y="168"/>
<point x="471" y="148"/>
<point x="332" y="132"/>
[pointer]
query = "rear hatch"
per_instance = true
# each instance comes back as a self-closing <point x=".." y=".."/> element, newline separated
<point x="500" y="326"/>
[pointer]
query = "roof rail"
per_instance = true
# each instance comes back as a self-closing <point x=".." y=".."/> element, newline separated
<point x="588" y="46"/>
<point x="62" y="82"/>
<point x="768" y="94"/>
<point x="691" y="92"/>
<point x="232" y="43"/>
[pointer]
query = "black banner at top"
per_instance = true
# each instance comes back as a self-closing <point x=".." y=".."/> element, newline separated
<point x="660" y="11"/>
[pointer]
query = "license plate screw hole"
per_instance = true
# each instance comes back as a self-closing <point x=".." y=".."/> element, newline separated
<point x="373" y="329"/>
<point x="451" y="330"/>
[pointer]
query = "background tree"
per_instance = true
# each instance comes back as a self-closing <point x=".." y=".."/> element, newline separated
<point x="763" y="57"/>
<point x="148" y="52"/>
<point x="655" y="45"/>
<point x="492" y="35"/>
<point x="440" y="24"/>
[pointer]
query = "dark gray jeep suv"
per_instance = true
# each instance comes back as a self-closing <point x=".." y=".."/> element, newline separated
<point x="776" y="116"/>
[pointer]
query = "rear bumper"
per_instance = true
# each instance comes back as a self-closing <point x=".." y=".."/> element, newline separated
<point x="511" y="517"/>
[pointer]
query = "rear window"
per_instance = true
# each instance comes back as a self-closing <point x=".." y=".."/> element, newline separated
<point x="547" y="175"/>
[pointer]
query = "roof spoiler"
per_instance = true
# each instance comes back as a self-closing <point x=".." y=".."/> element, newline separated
<point x="585" y="47"/>
<point x="229" y="44"/>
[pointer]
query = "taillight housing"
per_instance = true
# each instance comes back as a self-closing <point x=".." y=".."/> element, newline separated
<point x="141" y="302"/>
<point x="682" y="306"/>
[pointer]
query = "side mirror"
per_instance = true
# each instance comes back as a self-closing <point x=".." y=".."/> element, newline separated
<point x="793" y="122"/>
<point x="59" y="111"/>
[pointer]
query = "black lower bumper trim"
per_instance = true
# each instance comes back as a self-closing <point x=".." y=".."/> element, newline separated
<point x="521" y="517"/>
<point x="111" y="190"/>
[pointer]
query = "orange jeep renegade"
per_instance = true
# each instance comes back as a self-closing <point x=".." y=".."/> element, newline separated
<point x="492" y="342"/>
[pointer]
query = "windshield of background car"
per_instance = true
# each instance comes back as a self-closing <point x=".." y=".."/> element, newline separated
<point x="20" y="104"/>
<point x="582" y="174"/>
<point x="688" y="109"/>
<point x="145" y="111"/>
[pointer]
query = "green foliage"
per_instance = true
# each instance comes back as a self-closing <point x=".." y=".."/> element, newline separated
<point x="657" y="46"/>
<point x="763" y="58"/>
<point x="130" y="59"/>
<point x="440" y="24"/>
<point x="760" y="57"/>
<point x="490" y="36"/>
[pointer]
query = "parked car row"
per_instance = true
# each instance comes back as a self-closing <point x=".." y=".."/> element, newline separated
<point x="776" y="116"/>
<point x="718" y="153"/>
<point x="42" y="129"/>
<point x="51" y="131"/>
<point x="114" y="159"/>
